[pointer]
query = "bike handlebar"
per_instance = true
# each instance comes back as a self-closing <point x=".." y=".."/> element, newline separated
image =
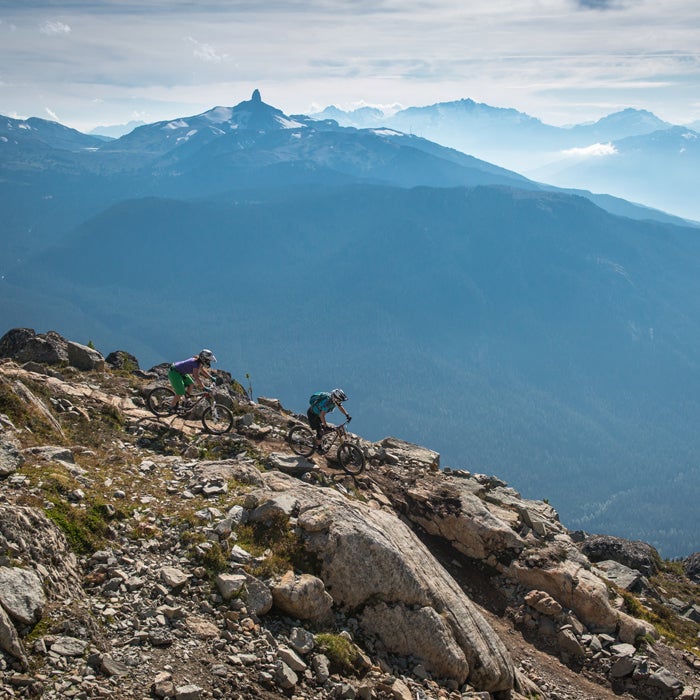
<point x="336" y="427"/>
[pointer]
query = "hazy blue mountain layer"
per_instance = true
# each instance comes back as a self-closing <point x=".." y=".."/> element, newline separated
<point x="631" y="153"/>
<point x="520" y="332"/>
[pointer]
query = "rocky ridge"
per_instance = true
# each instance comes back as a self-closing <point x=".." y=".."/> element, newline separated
<point x="142" y="557"/>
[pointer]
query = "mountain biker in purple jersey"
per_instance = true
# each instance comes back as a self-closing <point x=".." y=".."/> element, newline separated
<point x="189" y="372"/>
<point x="321" y="403"/>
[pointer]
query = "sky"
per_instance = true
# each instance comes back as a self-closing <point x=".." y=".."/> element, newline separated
<point x="104" y="62"/>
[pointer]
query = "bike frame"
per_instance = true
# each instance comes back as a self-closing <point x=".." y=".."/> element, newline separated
<point x="333" y="433"/>
<point x="196" y="397"/>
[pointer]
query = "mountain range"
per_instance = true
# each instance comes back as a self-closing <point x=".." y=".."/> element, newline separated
<point x="630" y="154"/>
<point x="517" y="328"/>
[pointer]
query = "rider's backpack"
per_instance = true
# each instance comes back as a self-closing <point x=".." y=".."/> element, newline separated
<point x="316" y="399"/>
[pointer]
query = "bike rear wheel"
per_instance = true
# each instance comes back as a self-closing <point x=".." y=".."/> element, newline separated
<point x="160" y="400"/>
<point x="301" y="440"/>
<point x="217" y="419"/>
<point x="351" y="458"/>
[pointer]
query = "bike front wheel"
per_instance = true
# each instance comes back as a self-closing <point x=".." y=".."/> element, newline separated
<point x="351" y="458"/>
<point x="160" y="400"/>
<point x="217" y="419"/>
<point x="301" y="440"/>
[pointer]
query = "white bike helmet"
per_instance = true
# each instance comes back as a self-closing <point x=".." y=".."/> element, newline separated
<point x="338" y="395"/>
<point x="207" y="356"/>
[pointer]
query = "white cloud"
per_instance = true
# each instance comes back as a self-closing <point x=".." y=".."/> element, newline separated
<point x="596" y="150"/>
<point x="54" y="28"/>
<point x="563" y="61"/>
<point x="206" y="52"/>
<point x="52" y="114"/>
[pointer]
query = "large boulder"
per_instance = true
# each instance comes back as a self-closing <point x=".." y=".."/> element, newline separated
<point x="302" y="596"/>
<point x="21" y="594"/>
<point x="122" y="360"/>
<point x="84" y="357"/>
<point x="621" y="576"/>
<point x="633" y="554"/>
<point x="46" y="348"/>
<point x="25" y="345"/>
<point x="373" y="564"/>
<point x="12" y="343"/>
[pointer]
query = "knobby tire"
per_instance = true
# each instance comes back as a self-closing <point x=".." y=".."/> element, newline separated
<point x="301" y="440"/>
<point x="160" y="400"/>
<point x="351" y="458"/>
<point x="217" y="422"/>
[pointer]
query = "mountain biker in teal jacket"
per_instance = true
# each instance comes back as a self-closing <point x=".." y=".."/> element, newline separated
<point x="189" y="372"/>
<point x="321" y="403"/>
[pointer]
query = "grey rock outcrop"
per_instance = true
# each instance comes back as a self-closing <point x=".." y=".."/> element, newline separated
<point x="84" y="357"/>
<point x="10" y="458"/>
<point x="9" y="640"/>
<point x="580" y="590"/>
<point x="692" y="567"/>
<point x="630" y="553"/>
<point x="368" y="556"/>
<point x="622" y="576"/>
<point x="122" y="360"/>
<point x="21" y="594"/>
<point x="454" y="512"/>
<point x="393" y="450"/>
<point x="14" y="341"/>
<point x="25" y="345"/>
<point x="36" y="542"/>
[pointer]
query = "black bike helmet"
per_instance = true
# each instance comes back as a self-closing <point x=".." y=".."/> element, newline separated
<point x="206" y="356"/>
<point x="338" y="395"/>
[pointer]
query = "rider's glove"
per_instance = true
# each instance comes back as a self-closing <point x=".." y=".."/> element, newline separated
<point x="349" y="418"/>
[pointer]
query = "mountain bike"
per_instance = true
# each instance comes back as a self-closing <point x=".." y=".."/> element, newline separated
<point x="216" y="418"/>
<point x="349" y="456"/>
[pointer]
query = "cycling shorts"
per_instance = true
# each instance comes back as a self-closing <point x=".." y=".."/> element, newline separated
<point x="179" y="381"/>
<point x="314" y="421"/>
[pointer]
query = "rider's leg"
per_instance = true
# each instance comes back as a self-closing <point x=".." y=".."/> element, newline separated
<point x="177" y="381"/>
<point x="316" y="426"/>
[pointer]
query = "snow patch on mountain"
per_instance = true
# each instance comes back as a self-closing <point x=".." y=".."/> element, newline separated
<point x="289" y="123"/>
<point x="178" y="124"/>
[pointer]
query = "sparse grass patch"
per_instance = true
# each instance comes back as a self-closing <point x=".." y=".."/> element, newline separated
<point x="25" y="415"/>
<point x="632" y="605"/>
<point x="84" y="528"/>
<point x="277" y="545"/>
<point x="341" y="652"/>
<point x="96" y="432"/>
<point x="678" y="631"/>
<point x="672" y="568"/>
<point x="214" y="560"/>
